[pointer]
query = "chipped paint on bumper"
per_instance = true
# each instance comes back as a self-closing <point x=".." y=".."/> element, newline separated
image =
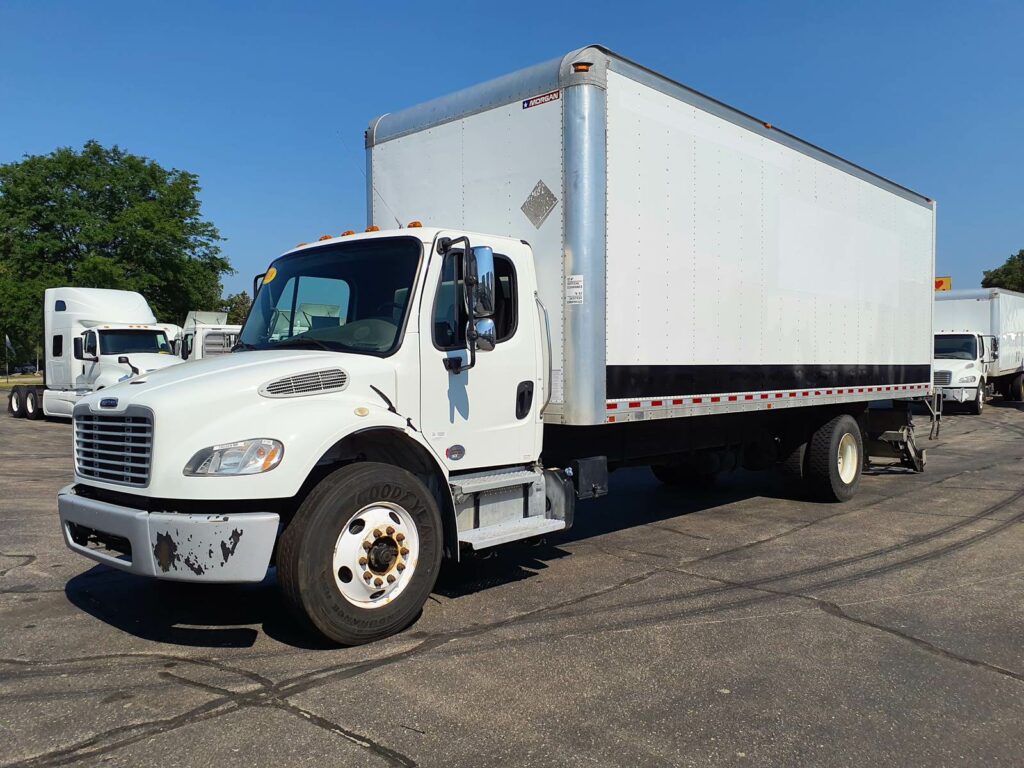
<point x="178" y="547"/>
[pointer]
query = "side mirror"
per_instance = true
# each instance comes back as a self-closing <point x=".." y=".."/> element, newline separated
<point x="484" y="335"/>
<point x="256" y="283"/>
<point x="478" y="269"/>
<point x="78" y="350"/>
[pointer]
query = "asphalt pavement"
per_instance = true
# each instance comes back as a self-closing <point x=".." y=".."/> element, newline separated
<point x="738" y="626"/>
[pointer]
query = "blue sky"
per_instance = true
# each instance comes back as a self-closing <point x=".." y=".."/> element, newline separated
<point x="267" y="101"/>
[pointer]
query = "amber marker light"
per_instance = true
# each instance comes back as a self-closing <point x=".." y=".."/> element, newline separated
<point x="414" y="224"/>
<point x="348" y="232"/>
<point x="373" y="228"/>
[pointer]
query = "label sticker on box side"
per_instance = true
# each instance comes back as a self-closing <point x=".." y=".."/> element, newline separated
<point x="573" y="289"/>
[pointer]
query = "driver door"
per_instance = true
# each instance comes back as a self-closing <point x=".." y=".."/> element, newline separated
<point x="485" y="416"/>
<point x="90" y="363"/>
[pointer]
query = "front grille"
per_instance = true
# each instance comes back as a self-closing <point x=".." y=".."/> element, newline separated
<point x="114" y="449"/>
<point x="942" y="378"/>
<point x="327" y="380"/>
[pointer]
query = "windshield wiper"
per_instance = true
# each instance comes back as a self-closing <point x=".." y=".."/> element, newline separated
<point x="242" y="345"/>
<point x="303" y="341"/>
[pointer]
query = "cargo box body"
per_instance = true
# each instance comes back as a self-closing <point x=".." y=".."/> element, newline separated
<point x="693" y="260"/>
<point x="988" y="312"/>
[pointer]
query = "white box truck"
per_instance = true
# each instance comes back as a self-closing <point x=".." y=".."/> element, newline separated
<point x="94" y="338"/>
<point x="206" y="334"/>
<point x="979" y="345"/>
<point x="622" y="272"/>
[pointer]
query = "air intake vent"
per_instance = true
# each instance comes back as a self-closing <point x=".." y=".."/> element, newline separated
<point x="327" y="380"/>
<point x="943" y="378"/>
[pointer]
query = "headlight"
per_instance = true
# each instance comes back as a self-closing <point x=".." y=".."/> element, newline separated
<point x="967" y="380"/>
<point x="246" y="457"/>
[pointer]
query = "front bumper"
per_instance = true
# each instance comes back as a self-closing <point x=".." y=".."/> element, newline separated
<point x="166" y="545"/>
<point x="960" y="394"/>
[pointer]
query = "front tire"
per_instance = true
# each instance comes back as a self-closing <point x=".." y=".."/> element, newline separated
<point x="977" y="405"/>
<point x="835" y="455"/>
<point x="16" y="403"/>
<point x="362" y="553"/>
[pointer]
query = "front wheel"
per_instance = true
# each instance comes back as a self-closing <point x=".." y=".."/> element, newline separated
<point x="977" y="405"/>
<point x="362" y="553"/>
<point x="835" y="455"/>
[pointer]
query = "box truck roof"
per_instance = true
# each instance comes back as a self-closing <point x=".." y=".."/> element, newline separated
<point x="543" y="82"/>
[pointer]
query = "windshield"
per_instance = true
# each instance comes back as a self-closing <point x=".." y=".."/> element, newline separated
<point x="134" y="342"/>
<point x="959" y="347"/>
<point x="349" y="297"/>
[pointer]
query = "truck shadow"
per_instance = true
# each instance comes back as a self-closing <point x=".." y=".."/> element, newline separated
<point x="231" y="615"/>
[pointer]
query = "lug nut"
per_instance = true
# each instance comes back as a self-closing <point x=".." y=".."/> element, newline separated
<point x="363" y="561"/>
<point x="366" y="545"/>
<point x="378" y="581"/>
<point x="377" y="533"/>
<point x="391" y="578"/>
<point x="400" y="537"/>
<point x="367" y="576"/>
<point x="400" y="567"/>
<point x="404" y="550"/>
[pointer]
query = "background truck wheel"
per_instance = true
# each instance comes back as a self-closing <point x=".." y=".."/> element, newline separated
<point x="977" y="405"/>
<point x="33" y="406"/>
<point x="683" y="476"/>
<point x="362" y="553"/>
<point x="835" y="454"/>
<point x="1015" y="390"/>
<point x="16" y="404"/>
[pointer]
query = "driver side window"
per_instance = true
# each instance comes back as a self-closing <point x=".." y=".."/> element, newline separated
<point x="450" y="315"/>
<point x="90" y="343"/>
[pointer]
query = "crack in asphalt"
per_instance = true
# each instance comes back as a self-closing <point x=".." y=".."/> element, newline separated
<point x="29" y="559"/>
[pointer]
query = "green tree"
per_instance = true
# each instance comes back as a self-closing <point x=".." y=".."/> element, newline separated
<point x="102" y="218"/>
<point x="237" y="306"/>
<point x="1009" y="276"/>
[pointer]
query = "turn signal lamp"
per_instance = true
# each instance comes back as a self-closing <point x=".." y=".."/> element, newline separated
<point x="373" y="228"/>
<point x="414" y="224"/>
<point x="347" y="232"/>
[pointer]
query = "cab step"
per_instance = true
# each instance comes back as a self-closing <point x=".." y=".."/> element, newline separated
<point x="510" y="530"/>
<point x="466" y="485"/>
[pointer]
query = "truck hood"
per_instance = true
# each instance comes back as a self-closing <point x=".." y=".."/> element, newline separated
<point x="148" y="361"/>
<point x="956" y="367"/>
<point x="224" y="380"/>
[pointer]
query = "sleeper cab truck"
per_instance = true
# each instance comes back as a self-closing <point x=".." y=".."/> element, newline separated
<point x="206" y="334"/>
<point x="631" y="274"/>
<point x="979" y="346"/>
<point x="94" y="338"/>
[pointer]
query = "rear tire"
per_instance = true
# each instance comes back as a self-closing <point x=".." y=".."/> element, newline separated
<point x="16" y="403"/>
<point x="33" y="408"/>
<point x="1015" y="390"/>
<point x="835" y="455"/>
<point x="362" y="553"/>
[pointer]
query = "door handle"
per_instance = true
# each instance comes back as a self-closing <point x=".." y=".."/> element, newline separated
<point x="524" y="399"/>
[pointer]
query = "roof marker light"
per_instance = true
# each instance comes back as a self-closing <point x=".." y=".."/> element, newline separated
<point x="414" y="224"/>
<point x="300" y="245"/>
<point x="347" y="232"/>
<point x="582" y="66"/>
<point x="325" y="237"/>
<point x="373" y="228"/>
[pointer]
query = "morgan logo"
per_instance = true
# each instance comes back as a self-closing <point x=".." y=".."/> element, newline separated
<point x="108" y="402"/>
<point x="536" y="101"/>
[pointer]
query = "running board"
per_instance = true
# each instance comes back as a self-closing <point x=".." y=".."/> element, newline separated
<point x="467" y="485"/>
<point x="511" y="530"/>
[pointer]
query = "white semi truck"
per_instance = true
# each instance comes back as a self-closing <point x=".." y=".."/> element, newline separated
<point x="94" y="338"/>
<point x="624" y="272"/>
<point x="206" y="334"/>
<point x="979" y="345"/>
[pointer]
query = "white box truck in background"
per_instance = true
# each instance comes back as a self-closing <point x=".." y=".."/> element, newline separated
<point x="206" y="334"/>
<point x="94" y="338"/>
<point x="979" y="345"/>
<point x="622" y="272"/>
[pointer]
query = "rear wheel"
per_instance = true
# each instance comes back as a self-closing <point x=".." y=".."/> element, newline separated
<point x="835" y="454"/>
<point x="362" y="553"/>
<point x="16" y="403"/>
<point x="33" y="408"/>
<point x="1016" y="388"/>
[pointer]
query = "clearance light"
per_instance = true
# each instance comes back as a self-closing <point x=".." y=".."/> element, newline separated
<point x="300" y="245"/>
<point x="325" y="237"/>
<point x="414" y="224"/>
<point x="347" y="232"/>
<point x="373" y="228"/>
<point x="582" y="66"/>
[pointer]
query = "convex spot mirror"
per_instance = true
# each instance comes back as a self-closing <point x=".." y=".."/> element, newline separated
<point x="478" y="269"/>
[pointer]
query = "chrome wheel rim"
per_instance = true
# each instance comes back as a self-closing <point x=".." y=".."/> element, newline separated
<point x="376" y="554"/>
<point x="847" y="458"/>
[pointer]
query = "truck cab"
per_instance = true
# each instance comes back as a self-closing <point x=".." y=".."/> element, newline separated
<point x="206" y="334"/>
<point x="961" y="367"/>
<point x="396" y="376"/>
